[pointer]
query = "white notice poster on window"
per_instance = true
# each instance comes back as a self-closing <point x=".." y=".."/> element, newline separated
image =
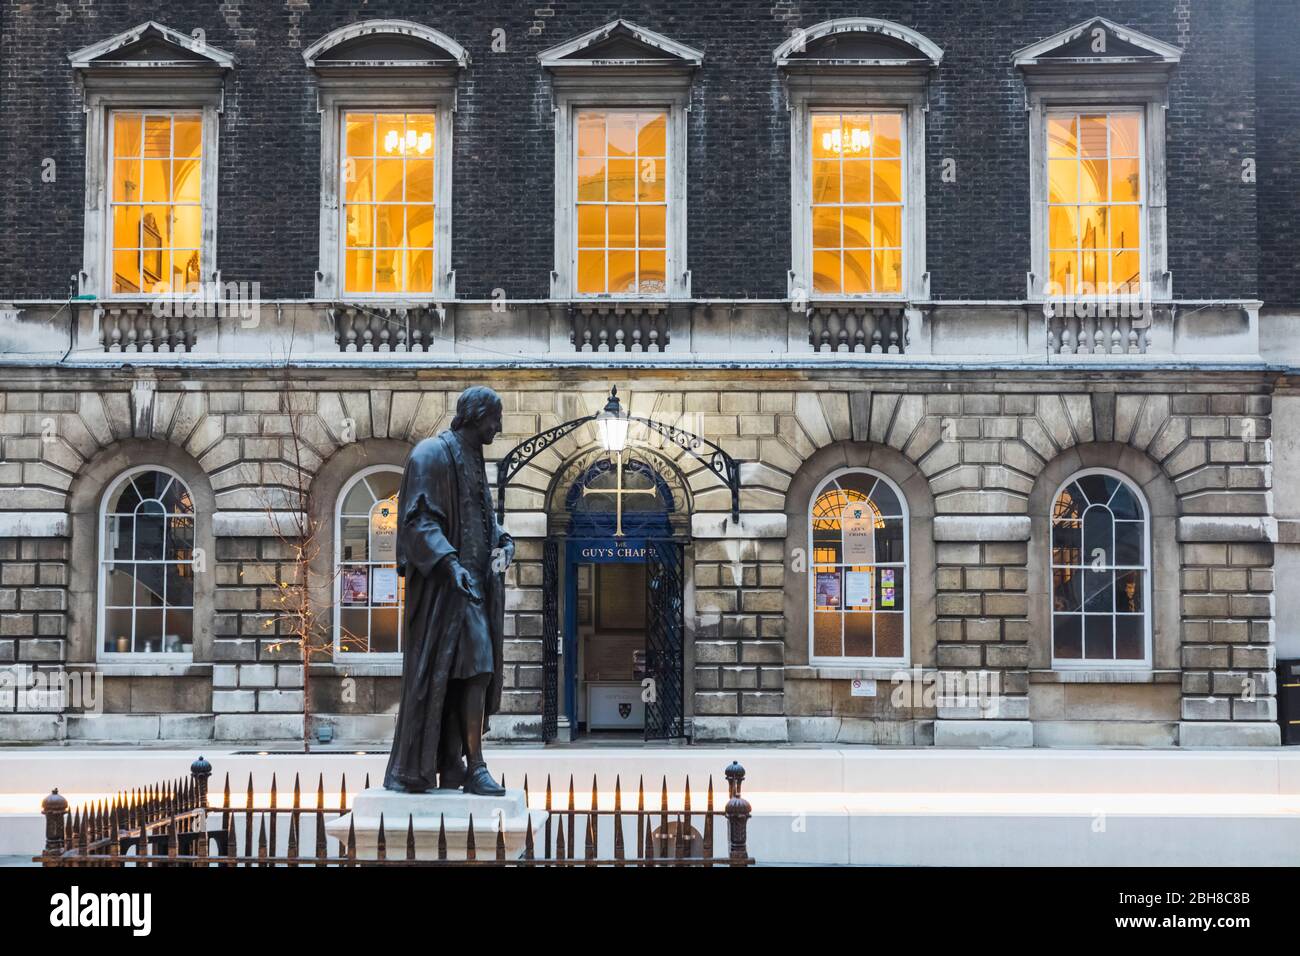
<point x="858" y="528"/>
<point x="857" y="589"/>
<point x="383" y="583"/>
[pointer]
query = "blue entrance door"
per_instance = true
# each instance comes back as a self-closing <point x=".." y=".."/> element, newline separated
<point x="593" y="504"/>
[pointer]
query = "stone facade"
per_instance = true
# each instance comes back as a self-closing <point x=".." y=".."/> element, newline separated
<point x="977" y="455"/>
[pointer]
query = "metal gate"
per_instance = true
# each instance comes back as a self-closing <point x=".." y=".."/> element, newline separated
<point x="665" y="578"/>
<point x="550" y="640"/>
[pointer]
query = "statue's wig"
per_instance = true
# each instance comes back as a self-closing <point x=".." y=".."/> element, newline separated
<point x="474" y="405"/>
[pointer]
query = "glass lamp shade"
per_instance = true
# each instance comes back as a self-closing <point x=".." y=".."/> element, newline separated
<point x="611" y="424"/>
<point x="613" y="433"/>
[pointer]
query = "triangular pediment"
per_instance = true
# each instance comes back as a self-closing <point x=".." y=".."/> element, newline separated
<point x="385" y="43"/>
<point x="620" y="43"/>
<point x="1097" y="42"/>
<point x="148" y="45"/>
<point x="858" y="41"/>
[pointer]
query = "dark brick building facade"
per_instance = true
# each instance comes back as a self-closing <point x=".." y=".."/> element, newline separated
<point x="739" y="137"/>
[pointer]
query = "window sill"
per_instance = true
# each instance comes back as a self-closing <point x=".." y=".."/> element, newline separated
<point x="352" y="667"/>
<point x="148" y="668"/>
<point x="886" y="672"/>
<point x="1103" y="675"/>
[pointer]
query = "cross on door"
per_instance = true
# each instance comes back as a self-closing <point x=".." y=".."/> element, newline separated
<point x="618" y="492"/>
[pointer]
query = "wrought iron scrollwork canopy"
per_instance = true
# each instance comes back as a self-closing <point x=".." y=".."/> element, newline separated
<point x="723" y="466"/>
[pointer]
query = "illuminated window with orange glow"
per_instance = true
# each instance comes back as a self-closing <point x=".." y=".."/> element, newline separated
<point x="1095" y="208"/>
<point x="368" y="592"/>
<point x="621" y="204"/>
<point x="155" y="201"/>
<point x="857" y="203"/>
<point x="388" y="202"/>
<point x="858" y="573"/>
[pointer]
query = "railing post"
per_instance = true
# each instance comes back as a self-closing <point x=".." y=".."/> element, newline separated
<point x="55" y="809"/>
<point x="200" y="771"/>
<point x="737" y="811"/>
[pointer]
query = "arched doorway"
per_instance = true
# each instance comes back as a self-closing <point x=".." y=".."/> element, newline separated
<point x="614" y="591"/>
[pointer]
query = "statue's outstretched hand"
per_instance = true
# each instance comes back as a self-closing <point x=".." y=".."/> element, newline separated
<point x="460" y="577"/>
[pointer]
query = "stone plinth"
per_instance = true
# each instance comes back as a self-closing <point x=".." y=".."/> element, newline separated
<point x="425" y="810"/>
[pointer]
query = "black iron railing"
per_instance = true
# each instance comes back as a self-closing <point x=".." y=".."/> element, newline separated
<point x="175" y="823"/>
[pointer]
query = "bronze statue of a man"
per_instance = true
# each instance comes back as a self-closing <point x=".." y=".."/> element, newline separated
<point x="452" y="553"/>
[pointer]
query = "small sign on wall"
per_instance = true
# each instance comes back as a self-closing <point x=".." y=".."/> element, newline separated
<point x="862" y="688"/>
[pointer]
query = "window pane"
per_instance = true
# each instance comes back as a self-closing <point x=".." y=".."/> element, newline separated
<point x="591" y="180"/>
<point x="653" y="272"/>
<point x="359" y="134"/>
<point x="1129" y="543"/>
<point x="1098" y="590"/>
<point x="889" y="635"/>
<point x="652" y="227"/>
<point x="857" y="271"/>
<point x="826" y="228"/>
<point x="1124" y="134"/>
<point x="1062" y="138"/>
<point x="887" y="180"/>
<point x="826" y="634"/>
<point x="1067" y="636"/>
<point x="126" y="134"/>
<point x="652" y="140"/>
<point x="1124" y="227"/>
<point x="887" y="275"/>
<point x="622" y="271"/>
<point x="419" y="180"/>
<point x="622" y="227"/>
<point x="1098" y="637"/>
<point x="591" y="226"/>
<point x="1066" y="594"/>
<point x="826" y="272"/>
<point x="117" y="630"/>
<point x="1130" y="639"/>
<point x="859" y="638"/>
<point x="1128" y="592"/>
<point x="622" y="180"/>
<point x="419" y="227"/>
<point x="1125" y="182"/>
<point x="591" y="271"/>
<point x="856" y="180"/>
<point x="826" y="182"/>
<point x="887" y="139"/>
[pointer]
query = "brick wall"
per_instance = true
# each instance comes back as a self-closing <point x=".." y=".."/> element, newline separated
<point x="739" y="163"/>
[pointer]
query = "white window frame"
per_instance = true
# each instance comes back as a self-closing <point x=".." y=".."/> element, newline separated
<point x="1101" y="83"/>
<point x="894" y="84"/>
<point x="658" y="79"/>
<point x="1147" y="569"/>
<point x="97" y="271"/>
<point x="857" y="662"/>
<point x="341" y="655"/>
<point x="413" y="85"/>
<point x="912" y="183"/>
<point x="569" y="103"/>
<point x="103" y="559"/>
<point x="335" y="105"/>
<point x="193" y="84"/>
<point x="207" y="198"/>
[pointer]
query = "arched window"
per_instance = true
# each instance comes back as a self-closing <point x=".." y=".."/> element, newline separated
<point x="1101" y="581"/>
<point x="857" y="532"/>
<point x="147" y="564"/>
<point x="367" y="590"/>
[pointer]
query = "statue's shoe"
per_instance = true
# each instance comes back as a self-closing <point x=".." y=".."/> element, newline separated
<point x="481" y="783"/>
<point x="453" y="777"/>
